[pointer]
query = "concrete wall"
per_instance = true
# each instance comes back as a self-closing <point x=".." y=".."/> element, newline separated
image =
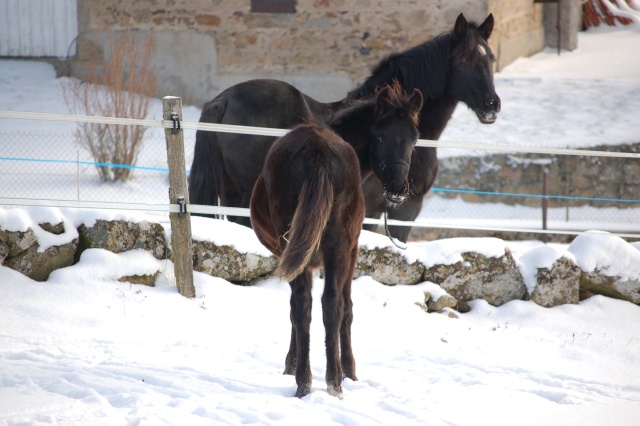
<point x="570" y="23"/>
<point x="325" y="48"/>
<point x="519" y="30"/>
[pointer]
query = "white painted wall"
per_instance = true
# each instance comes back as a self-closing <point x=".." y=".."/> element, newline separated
<point x="38" y="28"/>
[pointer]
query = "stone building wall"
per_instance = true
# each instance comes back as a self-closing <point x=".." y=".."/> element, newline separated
<point x="325" y="48"/>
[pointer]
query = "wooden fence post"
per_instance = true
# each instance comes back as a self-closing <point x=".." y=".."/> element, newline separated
<point x="180" y="222"/>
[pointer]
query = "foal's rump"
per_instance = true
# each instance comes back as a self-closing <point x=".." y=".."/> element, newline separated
<point x="310" y="179"/>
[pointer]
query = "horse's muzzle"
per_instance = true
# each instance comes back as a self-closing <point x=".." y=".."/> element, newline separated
<point x="488" y="113"/>
<point x="394" y="182"/>
<point x="395" y="198"/>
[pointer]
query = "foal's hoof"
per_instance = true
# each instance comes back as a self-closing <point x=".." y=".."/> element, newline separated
<point x="335" y="391"/>
<point x="303" y="391"/>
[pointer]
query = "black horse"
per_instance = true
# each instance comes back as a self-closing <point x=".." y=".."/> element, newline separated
<point x="452" y="67"/>
<point x="307" y="208"/>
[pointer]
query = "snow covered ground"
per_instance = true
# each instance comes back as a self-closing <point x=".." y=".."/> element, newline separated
<point x="83" y="348"/>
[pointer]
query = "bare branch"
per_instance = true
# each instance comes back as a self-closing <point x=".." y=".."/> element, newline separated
<point x="123" y="87"/>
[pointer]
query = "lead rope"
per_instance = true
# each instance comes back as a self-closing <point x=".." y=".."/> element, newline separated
<point x="386" y="229"/>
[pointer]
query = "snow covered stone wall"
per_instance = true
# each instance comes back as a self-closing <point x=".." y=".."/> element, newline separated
<point x="38" y="241"/>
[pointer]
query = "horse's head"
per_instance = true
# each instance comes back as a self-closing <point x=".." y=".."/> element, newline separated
<point x="472" y="68"/>
<point x="394" y="136"/>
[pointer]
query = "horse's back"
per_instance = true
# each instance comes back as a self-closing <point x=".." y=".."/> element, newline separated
<point x="269" y="103"/>
<point x="239" y="158"/>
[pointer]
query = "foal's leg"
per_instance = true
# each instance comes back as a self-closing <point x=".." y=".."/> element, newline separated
<point x="346" y="353"/>
<point x="301" y="322"/>
<point x="332" y="308"/>
<point x="291" y="361"/>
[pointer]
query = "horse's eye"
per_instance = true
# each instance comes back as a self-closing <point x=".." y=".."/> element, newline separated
<point x="379" y="139"/>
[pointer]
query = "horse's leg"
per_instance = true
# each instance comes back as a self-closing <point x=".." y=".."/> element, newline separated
<point x="233" y="199"/>
<point x="244" y="200"/>
<point x="422" y="174"/>
<point x="346" y="352"/>
<point x="374" y="200"/>
<point x="332" y="309"/>
<point x="290" y="362"/>
<point x="375" y="203"/>
<point x="301" y="321"/>
<point x="408" y="211"/>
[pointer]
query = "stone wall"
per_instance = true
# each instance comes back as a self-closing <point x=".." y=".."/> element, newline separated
<point x="589" y="177"/>
<point x="325" y="48"/>
<point x="477" y="272"/>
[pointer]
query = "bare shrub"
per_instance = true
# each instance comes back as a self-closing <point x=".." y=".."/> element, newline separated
<point x="124" y="89"/>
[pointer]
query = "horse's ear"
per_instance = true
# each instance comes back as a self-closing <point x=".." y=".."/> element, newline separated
<point x="460" y="27"/>
<point x="383" y="101"/>
<point x="416" y="100"/>
<point x="486" y="28"/>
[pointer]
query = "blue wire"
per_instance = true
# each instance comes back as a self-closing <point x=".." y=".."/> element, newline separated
<point x="512" y="194"/>
<point x="86" y="163"/>
<point x="434" y="189"/>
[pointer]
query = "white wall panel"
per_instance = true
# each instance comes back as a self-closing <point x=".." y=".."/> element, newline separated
<point x="38" y="28"/>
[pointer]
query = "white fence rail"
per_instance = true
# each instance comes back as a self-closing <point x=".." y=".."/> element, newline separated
<point x="267" y="131"/>
<point x="202" y="209"/>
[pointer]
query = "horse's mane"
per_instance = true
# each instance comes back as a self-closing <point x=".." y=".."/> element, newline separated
<point x="397" y="99"/>
<point x="424" y="67"/>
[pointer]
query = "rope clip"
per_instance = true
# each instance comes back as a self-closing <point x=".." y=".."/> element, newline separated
<point x="176" y="123"/>
<point x="182" y="207"/>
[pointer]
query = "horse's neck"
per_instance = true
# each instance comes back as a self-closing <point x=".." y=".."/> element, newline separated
<point x="360" y="142"/>
<point x="432" y="81"/>
<point x="435" y="115"/>
<point x="354" y="128"/>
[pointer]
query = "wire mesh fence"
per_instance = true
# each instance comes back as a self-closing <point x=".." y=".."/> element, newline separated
<point x="53" y="166"/>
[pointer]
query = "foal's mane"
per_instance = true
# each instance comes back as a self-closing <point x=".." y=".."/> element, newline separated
<point x="424" y="67"/>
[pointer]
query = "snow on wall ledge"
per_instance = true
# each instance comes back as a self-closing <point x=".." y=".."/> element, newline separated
<point x="39" y="240"/>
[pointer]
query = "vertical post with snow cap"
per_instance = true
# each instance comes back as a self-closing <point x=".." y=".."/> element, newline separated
<point x="181" y="243"/>
<point x="545" y="201"/>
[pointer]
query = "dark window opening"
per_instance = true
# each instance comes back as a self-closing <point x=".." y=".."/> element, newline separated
<point x="273" y="6"/>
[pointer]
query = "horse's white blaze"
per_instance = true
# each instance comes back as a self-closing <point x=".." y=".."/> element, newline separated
<point x="482" y="49"/>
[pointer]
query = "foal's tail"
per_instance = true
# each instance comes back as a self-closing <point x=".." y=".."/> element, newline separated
<point x="308" y="225"/>
<point x="204" y="177"/>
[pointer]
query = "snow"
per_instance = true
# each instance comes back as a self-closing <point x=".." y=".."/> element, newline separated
<point x="610" y="255"/>
<point x="84" y="348"/>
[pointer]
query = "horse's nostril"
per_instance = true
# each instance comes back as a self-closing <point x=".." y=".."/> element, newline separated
<point x="492" y="104"/>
